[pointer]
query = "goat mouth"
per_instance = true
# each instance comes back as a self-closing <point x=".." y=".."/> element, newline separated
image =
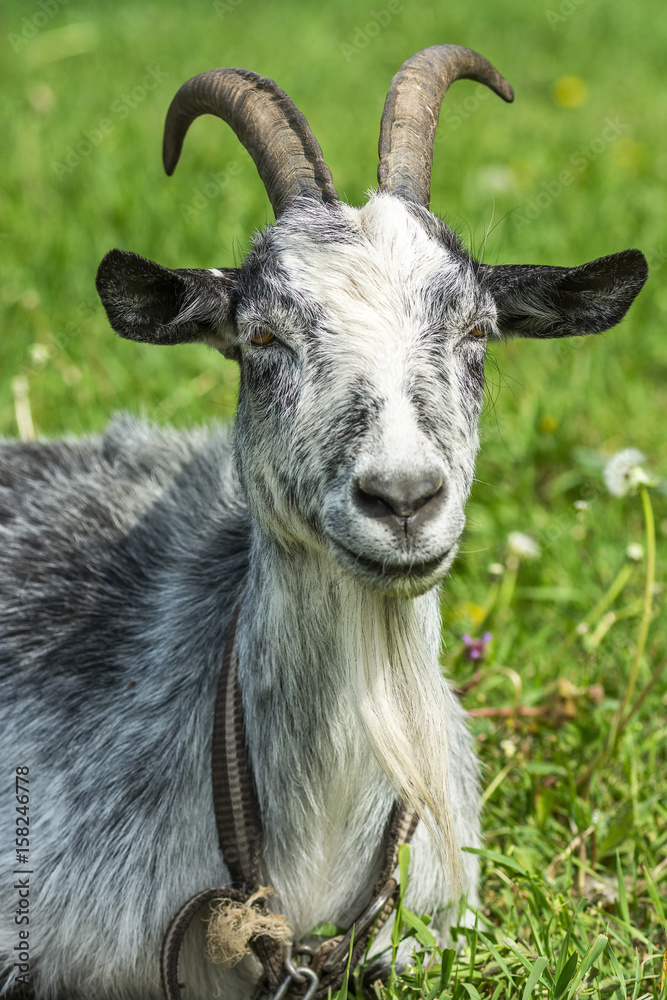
<point x="417" y="570"/>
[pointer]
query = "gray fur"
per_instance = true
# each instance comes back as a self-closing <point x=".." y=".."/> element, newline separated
<point x="122" y="556"/>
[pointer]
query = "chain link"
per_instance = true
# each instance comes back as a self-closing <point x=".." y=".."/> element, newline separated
<point x="297" y="974"/>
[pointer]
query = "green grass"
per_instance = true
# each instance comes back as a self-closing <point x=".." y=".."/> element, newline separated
<point x="567" y="865"/>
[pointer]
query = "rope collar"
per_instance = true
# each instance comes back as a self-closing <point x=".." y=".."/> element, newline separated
<point x="238" y="820"/>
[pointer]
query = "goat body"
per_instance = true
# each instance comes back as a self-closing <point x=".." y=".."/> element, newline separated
<point x="338" y="497"/>
<point x="124" y="558"/>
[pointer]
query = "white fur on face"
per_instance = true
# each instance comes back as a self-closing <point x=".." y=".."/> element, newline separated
<point x="392" y="303"/>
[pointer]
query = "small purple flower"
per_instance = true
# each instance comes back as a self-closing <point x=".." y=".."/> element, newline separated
<point x="476" y="648"/>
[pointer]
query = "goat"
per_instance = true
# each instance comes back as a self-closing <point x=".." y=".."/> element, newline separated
<point x="339" y="498"/>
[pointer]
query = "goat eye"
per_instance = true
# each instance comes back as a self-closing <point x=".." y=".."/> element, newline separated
<point x="262" y="336"/>
<point x="478" y="331"/>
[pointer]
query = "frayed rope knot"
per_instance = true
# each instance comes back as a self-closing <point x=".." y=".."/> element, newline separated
<point x="232" y="926"/>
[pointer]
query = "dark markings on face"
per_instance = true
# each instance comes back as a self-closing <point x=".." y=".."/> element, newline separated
<point x="349" y="422"/>
<point x="427" y="401"/>
<point x="473" y="384"/>
<point x="326" y="224"/>
<point x="264" y="297"/>
<point x="438" y="230"/>
<point x="293" y="463"/>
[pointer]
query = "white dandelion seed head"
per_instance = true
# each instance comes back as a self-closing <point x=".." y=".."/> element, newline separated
<point x="495" y="571"/>
<point x="623" y="472"/>
<point x="39" y="354"/>
<point x="634" y="552"/>
<point x="522" y="546"/>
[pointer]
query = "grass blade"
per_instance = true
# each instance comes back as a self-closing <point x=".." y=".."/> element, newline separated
<point x="498" y="957"/>
<point x="534" y="978"/>
<point x="447" y="962"/>
<point x="622" y="893"/>
<point x="422" y="932"/>
<point x="566" y="974"/>
<point x="470" y="990"/>
<point x="587" y="963"/>
<point x="342" y="995"/>
<point x="619" y="972"/>
<point x="565" y="947"/>
<point x="498" y="859"/>
<point x="655" y="897"/>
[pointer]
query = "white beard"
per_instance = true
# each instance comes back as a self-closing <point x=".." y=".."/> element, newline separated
<point x="402" y="703"/>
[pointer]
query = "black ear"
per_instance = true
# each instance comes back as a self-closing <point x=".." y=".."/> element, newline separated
<point x="535" y="301"/>
<point x="147" y="302"/>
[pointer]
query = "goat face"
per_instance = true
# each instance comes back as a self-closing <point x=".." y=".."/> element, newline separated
<point x="361" y="336"/>
<point x="360" y="333"/>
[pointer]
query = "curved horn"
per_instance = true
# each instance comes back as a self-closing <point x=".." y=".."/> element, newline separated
<point x="272" y="129"/>
<point x="411" y="112"/>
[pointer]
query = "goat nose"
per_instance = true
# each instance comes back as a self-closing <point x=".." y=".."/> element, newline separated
<point x="403" y="495"/>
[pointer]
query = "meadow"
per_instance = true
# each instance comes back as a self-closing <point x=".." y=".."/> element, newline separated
<point x="568" y="690"/>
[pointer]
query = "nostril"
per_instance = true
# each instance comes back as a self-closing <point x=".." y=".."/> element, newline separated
<point x="401" y="495"/>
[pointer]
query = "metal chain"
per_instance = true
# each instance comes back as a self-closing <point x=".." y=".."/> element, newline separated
<point x="297" y="974"/>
